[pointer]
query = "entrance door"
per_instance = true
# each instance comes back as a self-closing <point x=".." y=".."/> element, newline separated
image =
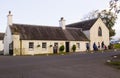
<point x="11" y="49"/>
<point x="55" y="48"/>
<point x="67" y="46"/>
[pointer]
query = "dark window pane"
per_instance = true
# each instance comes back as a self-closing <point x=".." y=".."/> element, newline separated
<point x="44" y="45"/>
<point x="31" y="44"/>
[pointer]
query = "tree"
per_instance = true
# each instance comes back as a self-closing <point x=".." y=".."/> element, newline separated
<point x="109" y="16"/>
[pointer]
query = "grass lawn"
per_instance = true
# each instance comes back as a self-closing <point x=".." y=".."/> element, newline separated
<point x="115" y="62"/>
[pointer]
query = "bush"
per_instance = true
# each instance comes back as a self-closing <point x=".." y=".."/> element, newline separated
<point x="110" y="46"/>
<point x="61" y="49"/>
<point x="74" y="48"/>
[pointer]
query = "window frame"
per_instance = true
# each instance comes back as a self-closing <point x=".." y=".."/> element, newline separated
<point x="55" y="44"/>
<point x="78" y="45"/>
<point x="99" y="31"/>
<point x="44" y="45"/>
<point x="31" y="45"/>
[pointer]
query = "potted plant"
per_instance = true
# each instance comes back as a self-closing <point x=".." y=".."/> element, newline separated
<point x="50" y="46"/>
<point x="74" y="48"/>
<point x="38" y="45"/>
<point x="61" y="49"/>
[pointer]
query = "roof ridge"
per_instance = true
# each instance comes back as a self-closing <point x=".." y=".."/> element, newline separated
<point x="85" y="25"/>
<point x="34" y="25"/>
<point x="73" y="28"/>
<point x="83" y="21"/>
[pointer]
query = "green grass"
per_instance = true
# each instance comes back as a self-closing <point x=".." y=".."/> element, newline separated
<point x="115" y="64"/>
<point x="117" y="46"/>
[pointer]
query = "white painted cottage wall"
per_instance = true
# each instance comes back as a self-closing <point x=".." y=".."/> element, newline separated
<point x="94" y="34"/>
<point x="1" y="45"/>
<point x="82" y="45"/>
<point x="7" y="40"/>
<point x="39" y="50"/>
<point x="16" y="44"/>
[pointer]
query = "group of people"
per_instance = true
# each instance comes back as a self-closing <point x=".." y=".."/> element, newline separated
<point x="96" y="48"/>
<point x="103" y="46"/>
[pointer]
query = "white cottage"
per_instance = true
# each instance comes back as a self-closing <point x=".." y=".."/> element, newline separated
<point x="1" y="43"/>
<point x="24" y="39"/>
<point x="95" y="30"/>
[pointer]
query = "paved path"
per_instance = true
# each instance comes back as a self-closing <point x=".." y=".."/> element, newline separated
<point x="75" y="65"/>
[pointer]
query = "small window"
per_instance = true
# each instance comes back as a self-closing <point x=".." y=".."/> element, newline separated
<point x="99" y="31"/>
<point x="31" y="45"/>
<point x="44" y="45"/>
<point x="55" y="44"/>
<point x="78" y="45"/>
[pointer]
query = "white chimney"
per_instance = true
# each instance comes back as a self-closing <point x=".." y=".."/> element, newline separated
<point x="62" y="23"/>
<point x="9" y="21"/>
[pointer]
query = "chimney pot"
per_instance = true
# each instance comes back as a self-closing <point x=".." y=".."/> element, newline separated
<point x="62" y="18"/>
<point x="9" y="19"/>
<point x="9" y="12"/>
<point x="62" y="23"/>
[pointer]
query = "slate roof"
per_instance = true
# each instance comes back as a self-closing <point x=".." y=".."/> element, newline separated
<point x="34" y="32"/>
<point x="1" y="36"/>
<point x="85" y="25"/>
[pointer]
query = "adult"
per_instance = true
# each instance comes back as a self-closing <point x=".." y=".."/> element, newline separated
<point x="87" y="46"/>
<point x="102" y="45"/>
<point x="95" y="47"/>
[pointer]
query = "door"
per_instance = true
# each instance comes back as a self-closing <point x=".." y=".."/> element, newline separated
<point x="11" y="49"/>
<point x="67" y="46"/>
<point x="55" y="48"/>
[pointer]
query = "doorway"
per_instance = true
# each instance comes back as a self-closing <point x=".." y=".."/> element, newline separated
<point x="67" y="46"/>
<point x="11" y="49"/>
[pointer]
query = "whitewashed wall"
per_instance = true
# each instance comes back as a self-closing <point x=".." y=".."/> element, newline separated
<point x="39" y="50"/>
<point x="94" y="34"/>
<point x="22" y="47"/>
<point x="82" y="45"/>
<point x="16" y="45"/>
<point x="7" y="40"/>
<point x="1" y="45"/>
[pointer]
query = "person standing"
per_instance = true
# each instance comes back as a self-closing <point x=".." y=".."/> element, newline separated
<point x="102" y="45"/>
<point x="87" y="47"/>
<point x="55" y="48"/>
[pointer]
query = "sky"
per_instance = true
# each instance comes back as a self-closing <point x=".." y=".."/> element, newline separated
<point x="49" y="12"/>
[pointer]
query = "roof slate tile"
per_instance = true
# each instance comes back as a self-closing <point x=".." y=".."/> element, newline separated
<point x="33" y="32"/>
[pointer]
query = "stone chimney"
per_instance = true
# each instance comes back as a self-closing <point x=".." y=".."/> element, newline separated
<point x="62" y="23"/>
<point x="9" y="21"/>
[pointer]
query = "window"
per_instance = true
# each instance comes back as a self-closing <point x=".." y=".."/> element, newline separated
<point x="44" y="45"/>
<point x="78" y="45"/>
<point x="31" y="45"/>
<point x="55" y="44"/>
<point x="99" y="31"/>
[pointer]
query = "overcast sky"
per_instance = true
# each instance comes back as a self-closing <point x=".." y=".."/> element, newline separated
<point x="48" y="12"/>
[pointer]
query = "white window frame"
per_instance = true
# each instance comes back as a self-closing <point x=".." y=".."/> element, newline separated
<point x="31" y="44"/>
<point x="78" y="45"/>
<point x="44" y="45"/>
